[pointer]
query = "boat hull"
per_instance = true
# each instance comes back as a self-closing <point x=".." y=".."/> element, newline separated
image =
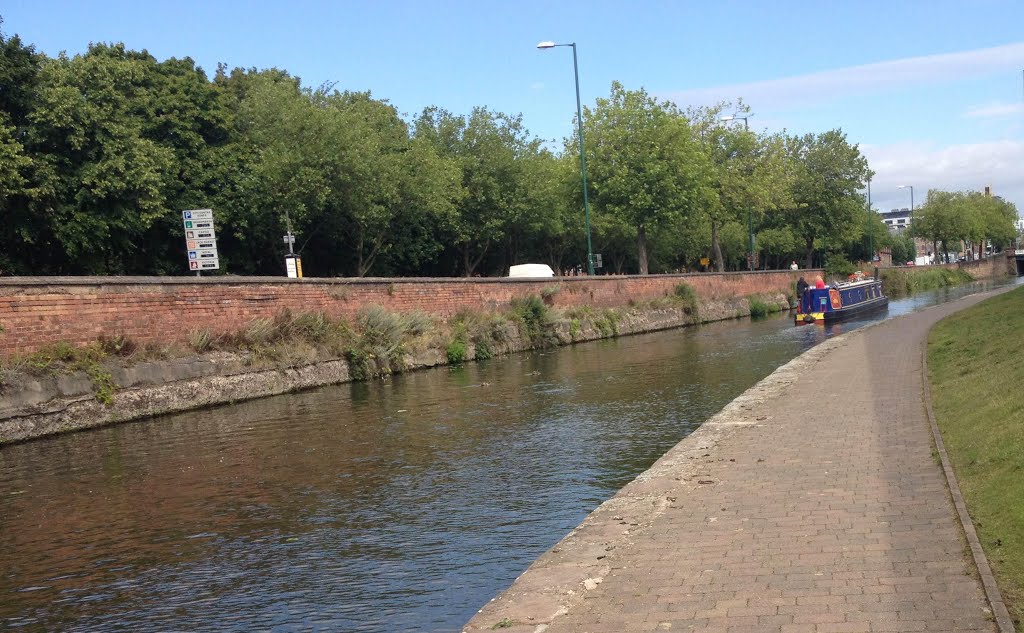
<point x="843" y="314"/>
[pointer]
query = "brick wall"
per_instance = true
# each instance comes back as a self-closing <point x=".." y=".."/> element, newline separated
<point x="36" y="311"/>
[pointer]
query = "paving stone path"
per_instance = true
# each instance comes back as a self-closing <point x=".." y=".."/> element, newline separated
<point x="814" y="502"/>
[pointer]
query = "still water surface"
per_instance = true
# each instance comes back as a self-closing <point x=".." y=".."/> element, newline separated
<point x="404" y="504"/>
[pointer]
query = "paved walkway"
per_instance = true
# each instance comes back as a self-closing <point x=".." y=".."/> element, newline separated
<point x="815" y="502"/>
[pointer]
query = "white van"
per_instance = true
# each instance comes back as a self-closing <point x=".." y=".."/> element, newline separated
<point x="531" y="270"/>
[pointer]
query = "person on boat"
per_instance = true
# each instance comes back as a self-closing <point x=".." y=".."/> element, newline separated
<point x="819" y="283"/>
<point x="801" y="286"/>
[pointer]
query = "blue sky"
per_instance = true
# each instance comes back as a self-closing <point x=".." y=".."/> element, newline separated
<point x="932" y="91"/>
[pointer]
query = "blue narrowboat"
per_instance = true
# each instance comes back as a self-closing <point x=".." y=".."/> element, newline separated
<point x="841" y="301"/>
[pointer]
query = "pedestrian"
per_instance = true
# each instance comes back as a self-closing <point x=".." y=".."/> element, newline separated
<point x="794" y="266"/>
<point x="801" y="286"/>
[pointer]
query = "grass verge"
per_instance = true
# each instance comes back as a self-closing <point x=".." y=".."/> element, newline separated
<point x="976" y="368"/>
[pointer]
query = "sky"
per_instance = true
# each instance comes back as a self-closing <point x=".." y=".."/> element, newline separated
<point x="932" y="91"/>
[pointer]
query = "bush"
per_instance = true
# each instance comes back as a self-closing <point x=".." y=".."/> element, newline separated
<point x="535" y="320"/>
<point x="313" y="327"/>
<point x="758" y="308"/>
<point x="456" y="351"/>
<point x="686" y="295"/>
<point x="118" y="345"/>
<point x="839" y="266"/>
<point x="200" y="340"/>
<point x="482" y="350"/>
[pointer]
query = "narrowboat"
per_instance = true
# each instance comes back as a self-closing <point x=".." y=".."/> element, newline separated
<point x="841" y="301"/>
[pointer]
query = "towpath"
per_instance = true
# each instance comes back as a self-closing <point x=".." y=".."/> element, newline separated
<point x="814" y="502"/>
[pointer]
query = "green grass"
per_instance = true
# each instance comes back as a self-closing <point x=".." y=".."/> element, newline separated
<point x="976" y="372"/>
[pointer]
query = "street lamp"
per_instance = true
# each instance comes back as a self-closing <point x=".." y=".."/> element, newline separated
<point x="583" y="159"/>
<point x="733" y="117"/>
<point x="750" y="219"/>
<point x="911" y="187"/>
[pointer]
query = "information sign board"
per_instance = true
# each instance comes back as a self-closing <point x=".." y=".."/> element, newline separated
<point x="200" y="239"/>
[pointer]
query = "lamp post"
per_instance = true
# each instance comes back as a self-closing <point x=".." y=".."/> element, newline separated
<point x="583" y="158"/>
<point x="911" y="187"/>
<point x="750" y="218"/>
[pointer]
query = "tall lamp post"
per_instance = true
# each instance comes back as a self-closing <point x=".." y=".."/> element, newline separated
<point x="750" y="218"/>
<point x="911" y="187"/>
<point x="583" y="158"/>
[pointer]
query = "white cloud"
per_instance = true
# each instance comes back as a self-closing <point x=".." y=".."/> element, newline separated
<point x="829" y="85"/>
<point x="994" y="110"/>
<point x="537" y="86"/>
<point x="967" y="167"/>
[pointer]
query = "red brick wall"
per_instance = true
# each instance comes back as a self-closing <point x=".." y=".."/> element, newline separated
<point x="36" y="311"/>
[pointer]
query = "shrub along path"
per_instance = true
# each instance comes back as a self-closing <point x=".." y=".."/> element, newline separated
<point x="814" y="502"/>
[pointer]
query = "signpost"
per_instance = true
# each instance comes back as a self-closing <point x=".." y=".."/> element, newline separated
<point x="200" y="240"/>
<point x="292" y="262"/>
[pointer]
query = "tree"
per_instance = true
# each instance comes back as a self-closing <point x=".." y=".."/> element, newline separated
<point x="827" y="174"/>
<point x="945" y="217"/>
<point x="746" y="176"/>
<point x="102" y="182"/>
<point x="643" y="165"/>
<point x="491" y="150"/>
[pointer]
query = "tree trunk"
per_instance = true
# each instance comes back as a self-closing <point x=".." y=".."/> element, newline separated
<point x="809" y="261"/>
<point x="716" y="248"/>
<point x="641" y="247"/>
<point x="467" y="269"/>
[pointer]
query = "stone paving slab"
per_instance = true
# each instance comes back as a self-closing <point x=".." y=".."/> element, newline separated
<point x="814" y="502"/>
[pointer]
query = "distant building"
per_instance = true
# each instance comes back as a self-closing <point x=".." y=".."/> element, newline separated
<point x="896" y="220"/>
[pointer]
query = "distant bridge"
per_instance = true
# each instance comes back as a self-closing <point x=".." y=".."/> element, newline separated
<point x="1019" y="257"/>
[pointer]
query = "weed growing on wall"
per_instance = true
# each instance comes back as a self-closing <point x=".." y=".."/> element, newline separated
<point x="759" y="308"/>
<point x="63" y="358"/>
<point x="535" y="321"/>
<point x="903" y="281"/>
<point x="685" y="294"/>
<point x="607" y="322"/>
<point x="456" y="352"/>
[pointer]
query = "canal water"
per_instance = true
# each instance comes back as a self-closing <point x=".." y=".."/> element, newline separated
<point x="403" y="504"/>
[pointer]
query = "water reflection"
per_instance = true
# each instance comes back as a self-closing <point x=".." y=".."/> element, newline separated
<point x="395" y="505"/>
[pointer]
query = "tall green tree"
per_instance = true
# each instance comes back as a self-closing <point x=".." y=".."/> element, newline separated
<point x="492" y="151"/>
<point x="746" y="178"/>
<point x="102" y="182"/>
<point x="828" y="173"/>
<point x="643" y="164"/>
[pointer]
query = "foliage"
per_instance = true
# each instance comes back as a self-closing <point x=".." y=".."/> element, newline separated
<point x="534" y="319"/>
<point x="686" y="295"/>
<point x="975" y="390"/>
<point x="746" y="176"/>
<point x="838" y="266"/>
<point x="903" y="249"/>
<point x="456" y="351"/>
<point x="644" y="163"/>
<point x="900" y="282"/>
<point x="63" y="358"/>
<point x="99" y="153"/>
<point x="482" y="349"/>
<point x="759" y="308"/>
<point x="827" y="172"/>
<point x="950" y="218"/>
<point x="607" y="322"/>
